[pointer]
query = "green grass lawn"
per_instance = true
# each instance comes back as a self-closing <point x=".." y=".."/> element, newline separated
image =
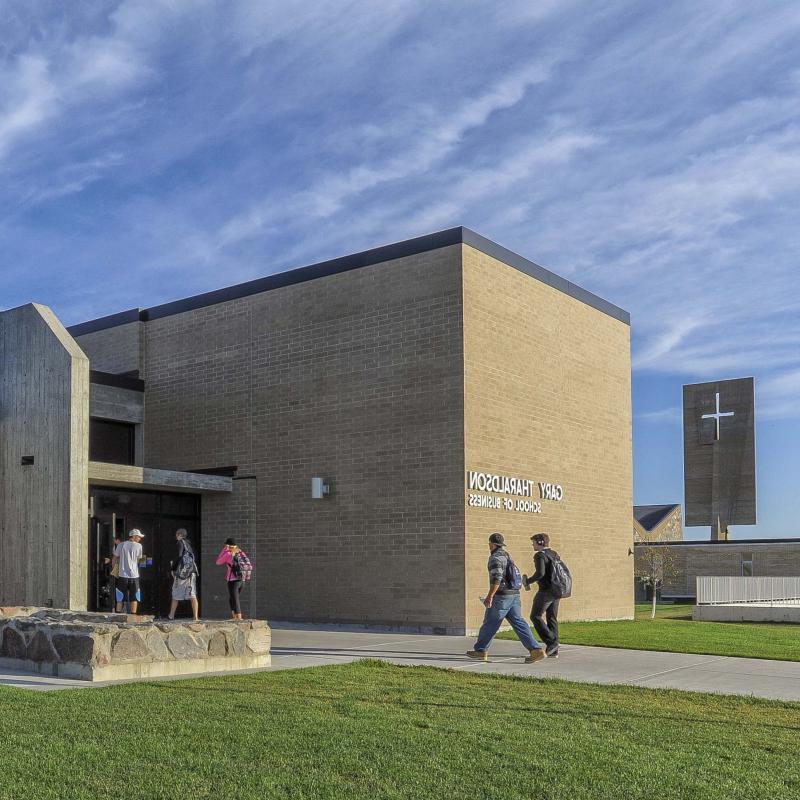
<point x="372" y="730"/>
<point x="674" y="630"/>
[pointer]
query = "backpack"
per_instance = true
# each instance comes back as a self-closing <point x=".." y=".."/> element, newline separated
<point x="512" y="575"/>
<point x="241" y="568"/>
<point x="186" y="566"/>
<point x="558" y="576"/>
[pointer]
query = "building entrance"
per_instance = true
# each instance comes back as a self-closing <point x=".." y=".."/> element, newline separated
<point x="157" y="515"/>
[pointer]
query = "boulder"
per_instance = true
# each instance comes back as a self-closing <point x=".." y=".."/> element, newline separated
<point x="14" y="644"/>
<point x="40" y="648"/>
<point x="183" y="645"/>
<point x="74" y="646"/>
<point x="218" y="645"/>
<point x="236" y="639"/>
<point x="258" y="640"/>
<point x="128" y="645"/>
<point x="157" y="647"/>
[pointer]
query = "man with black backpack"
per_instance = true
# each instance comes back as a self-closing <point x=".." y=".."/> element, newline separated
<point x="184" y="576"/>
<point x="502" y="602"/>
<point x="555" y="582"/>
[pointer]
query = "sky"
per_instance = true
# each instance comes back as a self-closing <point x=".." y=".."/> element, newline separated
<point x="650" y="152"/>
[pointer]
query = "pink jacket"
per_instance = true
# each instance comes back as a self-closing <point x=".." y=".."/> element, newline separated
<point x="226" y="558"/>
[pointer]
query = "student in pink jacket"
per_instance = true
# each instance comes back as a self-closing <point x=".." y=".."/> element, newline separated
<point x="229" y="550"/>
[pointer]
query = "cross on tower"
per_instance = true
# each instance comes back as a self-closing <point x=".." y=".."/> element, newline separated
<point x="717" y="415"/>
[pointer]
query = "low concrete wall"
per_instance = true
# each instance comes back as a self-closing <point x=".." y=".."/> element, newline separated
<point x="102" y="647"/>
<point x="746" y="613"/>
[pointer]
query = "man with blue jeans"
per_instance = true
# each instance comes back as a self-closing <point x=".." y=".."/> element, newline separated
<point x="502" y="602"/>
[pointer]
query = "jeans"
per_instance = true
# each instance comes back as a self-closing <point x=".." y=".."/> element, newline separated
<point x="505" y="606"/>
<point x="544" y="616"/>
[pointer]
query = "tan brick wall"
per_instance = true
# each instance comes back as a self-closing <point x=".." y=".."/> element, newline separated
<point x="361" y="378"/>
<point x="547" y="398"/>
<point x="769" y="560"/>
<point x="357" y="378"/>
<point x="119" y="349"/>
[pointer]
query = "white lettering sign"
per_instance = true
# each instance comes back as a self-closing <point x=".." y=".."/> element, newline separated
<point x="519" y="487"/>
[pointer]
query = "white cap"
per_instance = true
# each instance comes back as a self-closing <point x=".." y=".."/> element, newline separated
<point x="135" y="532"/>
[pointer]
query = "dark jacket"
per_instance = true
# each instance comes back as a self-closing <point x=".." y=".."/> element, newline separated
<point x="540" y="560"/>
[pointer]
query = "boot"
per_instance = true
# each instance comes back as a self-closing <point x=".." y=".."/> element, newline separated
<point x="534" y="655"/>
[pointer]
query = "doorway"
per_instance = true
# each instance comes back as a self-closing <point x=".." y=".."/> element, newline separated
<point x="157" y="515"/>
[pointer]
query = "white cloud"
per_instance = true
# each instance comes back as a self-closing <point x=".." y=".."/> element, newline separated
<point x="431" y="142"/>
<point x="27" y="101"/>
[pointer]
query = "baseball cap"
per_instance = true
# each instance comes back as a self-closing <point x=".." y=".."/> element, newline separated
<point x="539" y="538"/>
<point x="135" y="532"/>
<point x="496" y="538"/>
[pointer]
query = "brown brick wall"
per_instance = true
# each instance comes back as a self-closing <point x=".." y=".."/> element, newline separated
<point x="119" y="349"/>
<point x="547" y="397"/>
<point x="355" y="377"/>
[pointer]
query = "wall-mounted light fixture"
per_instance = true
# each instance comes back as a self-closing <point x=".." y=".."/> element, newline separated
<point x="319" y="488"/>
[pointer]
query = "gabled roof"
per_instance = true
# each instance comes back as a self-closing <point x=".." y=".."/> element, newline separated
<point x="410" y="247"/>
<point x="650" y="516"/>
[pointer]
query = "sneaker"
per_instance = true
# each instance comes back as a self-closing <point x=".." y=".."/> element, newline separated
<point x="552" y="651"/>
<point x="481" y="655"/>
<point x="534" y="655"/>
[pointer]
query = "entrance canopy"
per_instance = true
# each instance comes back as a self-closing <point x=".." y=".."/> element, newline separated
<point x="121" y="475"/>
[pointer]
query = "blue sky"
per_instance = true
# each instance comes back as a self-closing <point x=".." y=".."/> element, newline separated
<point x="153" y="149"/>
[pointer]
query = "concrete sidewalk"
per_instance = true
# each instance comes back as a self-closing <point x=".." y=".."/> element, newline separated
<point x="304" y="647"/>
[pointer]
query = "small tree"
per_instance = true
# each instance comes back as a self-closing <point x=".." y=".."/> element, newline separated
<point x="653" y="564"/>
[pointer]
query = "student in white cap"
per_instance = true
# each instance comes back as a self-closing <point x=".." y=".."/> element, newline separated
<point x="127" y="557"/>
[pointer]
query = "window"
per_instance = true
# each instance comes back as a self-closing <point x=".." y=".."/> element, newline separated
<point x="747" y="565"/>
<point x="111" y="442"/>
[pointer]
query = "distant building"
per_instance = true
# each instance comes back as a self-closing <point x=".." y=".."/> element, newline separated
<point x="661" y="523"/>
<point x="657" y="522"/>
<point x="775" y="558"/>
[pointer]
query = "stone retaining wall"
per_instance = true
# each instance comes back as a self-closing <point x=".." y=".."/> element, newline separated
<point x="103" y="647"/>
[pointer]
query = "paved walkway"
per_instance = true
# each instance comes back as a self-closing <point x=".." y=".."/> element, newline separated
<point x="295" y="648"/>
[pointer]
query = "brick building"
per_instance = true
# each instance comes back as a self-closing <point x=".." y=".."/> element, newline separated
<point x="442" y="388"/>
<point x="777" y="558"/>
<point x="657" y="523"/>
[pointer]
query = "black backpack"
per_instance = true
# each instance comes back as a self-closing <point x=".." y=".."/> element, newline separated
<point x="186" y="566"/>
<point x="559" y="578"/>
<point x="512" y="575"/>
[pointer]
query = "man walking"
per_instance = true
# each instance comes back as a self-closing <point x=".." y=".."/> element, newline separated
<point x="127" y="557"/>
<point x="544" y="613"/>
<point x="502" y="602"/>
<point x="184" y="576"/>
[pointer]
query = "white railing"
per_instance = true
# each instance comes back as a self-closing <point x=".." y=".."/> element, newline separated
<point x="736" y="591"/>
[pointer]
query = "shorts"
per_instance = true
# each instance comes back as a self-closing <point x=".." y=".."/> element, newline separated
<point x="127" y="589"/>
<point x="184" y="588"/>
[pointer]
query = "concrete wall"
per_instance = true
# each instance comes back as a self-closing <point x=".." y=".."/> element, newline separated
<point x="719" y="475"/>
<point x="357" y="378"/>
<point x="547" y="398"/>
<point x="772" y="559"/>
<point x="44" y="413"/>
